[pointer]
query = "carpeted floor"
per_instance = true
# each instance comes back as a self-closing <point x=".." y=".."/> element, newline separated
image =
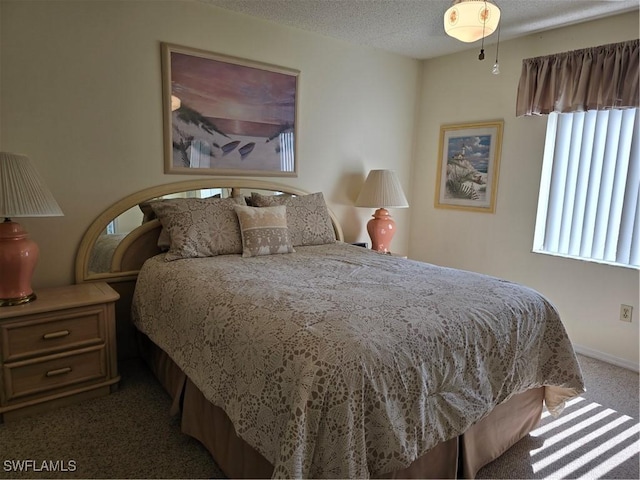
<point x="597" y="435"/>
<point x="129" y="434"/>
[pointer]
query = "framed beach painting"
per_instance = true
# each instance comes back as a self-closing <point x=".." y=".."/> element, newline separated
<point x="227" y="116"/>
<point x="468" y="166"/>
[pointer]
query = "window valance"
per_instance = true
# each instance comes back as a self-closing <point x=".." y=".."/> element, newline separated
<point x="596" y="78"/>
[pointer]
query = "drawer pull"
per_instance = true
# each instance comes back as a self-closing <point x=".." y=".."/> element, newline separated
<point x="52" y="335"/>
<point x="60" y="371"/>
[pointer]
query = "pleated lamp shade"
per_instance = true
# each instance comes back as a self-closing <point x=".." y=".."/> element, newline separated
<point x="22" y="191"/>
<point x="22" y="194"/>
<point x="381" y="190"/>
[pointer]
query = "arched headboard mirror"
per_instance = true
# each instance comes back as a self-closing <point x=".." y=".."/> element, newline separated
<point x="105" y="252"/>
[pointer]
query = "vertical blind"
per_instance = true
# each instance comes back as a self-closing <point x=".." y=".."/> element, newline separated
<point x="589" y="205"/>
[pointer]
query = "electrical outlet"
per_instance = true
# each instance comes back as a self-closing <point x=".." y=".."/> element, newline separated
<point x="625" y="313"/>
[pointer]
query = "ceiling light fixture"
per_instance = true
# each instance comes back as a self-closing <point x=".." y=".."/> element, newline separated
<point x="471" y="20"/>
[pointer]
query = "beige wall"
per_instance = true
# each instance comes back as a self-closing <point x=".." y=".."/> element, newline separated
<point x="81" y="95"/>
<point x="459" y="89"/>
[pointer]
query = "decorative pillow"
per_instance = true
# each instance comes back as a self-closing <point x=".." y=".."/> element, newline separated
<point x="164" y="240"/>
<point x="307" y="217"/>
<point x="147" y="211"/>
<point x="247" y="199"/>
<point x="200" y="227"/>
<point x="264" y="230"/>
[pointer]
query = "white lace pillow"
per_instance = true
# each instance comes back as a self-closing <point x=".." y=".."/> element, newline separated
<point x="307" y="217"/>
<point x="200" y="227"/>
<point x="264" y="230"/>
<point x="164" y="241"/>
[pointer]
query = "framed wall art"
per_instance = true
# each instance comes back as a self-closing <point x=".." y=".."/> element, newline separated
<point x="227" y="116"/>
<point x="468" y="166"/>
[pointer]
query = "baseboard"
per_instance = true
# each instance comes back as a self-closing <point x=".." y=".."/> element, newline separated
<point x="605" y="357"/>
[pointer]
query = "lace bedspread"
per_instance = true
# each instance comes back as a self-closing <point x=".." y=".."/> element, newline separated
<point x="336" y="361"/>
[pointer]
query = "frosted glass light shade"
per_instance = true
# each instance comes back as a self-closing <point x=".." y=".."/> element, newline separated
<point x="22" y="190"/>
<point x="470" y="20"/>
<point x="382" y="189"/>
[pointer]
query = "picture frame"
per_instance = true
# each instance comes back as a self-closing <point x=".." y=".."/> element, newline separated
<point x="227" y="116"/>
<point x="469" y="166"/>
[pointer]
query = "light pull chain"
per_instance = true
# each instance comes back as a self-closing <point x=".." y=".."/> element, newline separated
<point x="484" y="22"/>
<point x="496" y="66"/>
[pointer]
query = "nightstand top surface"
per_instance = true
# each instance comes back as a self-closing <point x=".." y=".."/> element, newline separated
<point x="60" y="298"/>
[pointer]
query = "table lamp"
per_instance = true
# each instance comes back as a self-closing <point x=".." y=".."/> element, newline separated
<point x="381" y="190"/>
<point x="22" y="194"/>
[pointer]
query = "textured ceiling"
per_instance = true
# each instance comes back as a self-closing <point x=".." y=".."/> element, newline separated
<point x="414" y="28"/>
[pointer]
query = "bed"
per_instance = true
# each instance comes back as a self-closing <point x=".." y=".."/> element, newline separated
<point x="102" y="255"/>
<point x="321" y="359"/>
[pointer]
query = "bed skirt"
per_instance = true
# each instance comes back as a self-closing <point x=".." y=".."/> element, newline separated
<point x="460" y="457"/>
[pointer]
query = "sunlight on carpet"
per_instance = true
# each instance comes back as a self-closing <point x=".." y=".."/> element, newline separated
<point x="588" y="440"/>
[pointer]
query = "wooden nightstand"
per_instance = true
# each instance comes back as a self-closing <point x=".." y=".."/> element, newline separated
<point x="57" y="349"/>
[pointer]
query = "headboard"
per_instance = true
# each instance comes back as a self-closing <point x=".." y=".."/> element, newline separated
<point x="140" y="243"/>
<point x="130" y="251"/>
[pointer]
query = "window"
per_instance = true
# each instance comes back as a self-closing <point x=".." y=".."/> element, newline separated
<point x="589" y="202"/>
<point x="199" y="154"/>
<point x="286" y="152"/>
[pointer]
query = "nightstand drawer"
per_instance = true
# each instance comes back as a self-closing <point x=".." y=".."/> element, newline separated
<point x="49" y="333"/>
<point x="55" y="372"/>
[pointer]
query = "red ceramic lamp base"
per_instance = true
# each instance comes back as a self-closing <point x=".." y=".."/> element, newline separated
<point x="381" y="229"/>
<point x="18" y="257"/>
